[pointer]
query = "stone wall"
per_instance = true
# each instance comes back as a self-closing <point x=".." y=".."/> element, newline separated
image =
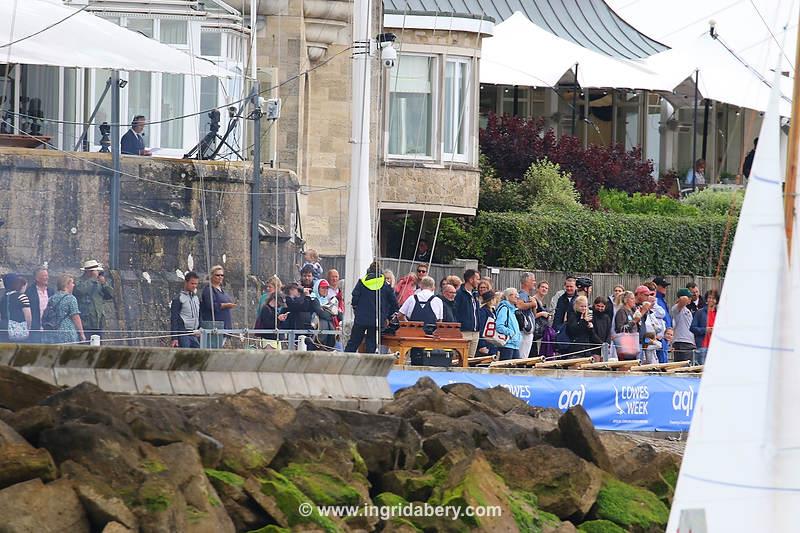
<point x="54" y="208"/>
<point x="434" y="188"/>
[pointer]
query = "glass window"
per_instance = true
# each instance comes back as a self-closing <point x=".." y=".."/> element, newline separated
<point x="515" y="100"/>
<point x="70" y="131"/>
<point x="209" y="92"/>
<point x="411" y="106"/>
<point x="457" y="110"/>
<point x="104" y="112"/>
<point x="143" y="26"/>
<point x="171" y="107"/>
<point x="39" y="100"/>
<point x="8" y="76"/>
<point x="174" y="32"/>
<point x="653" y="135"/>
<point x="488" y="102"/>
<point x="627" y="119"/>
<point x="210" y="44"/>
<point x="138" y="95"/>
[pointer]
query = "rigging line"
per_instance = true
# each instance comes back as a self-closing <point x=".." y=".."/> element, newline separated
<point x="204" y="111"/>
<point x="700" y="19"/>
<point x="749" y="67"/>
<point x="772" y="34"/>
<point x="34" y="34"/>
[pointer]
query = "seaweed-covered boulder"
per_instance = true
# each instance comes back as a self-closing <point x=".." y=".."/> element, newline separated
<point x="245" y="513"/>
<point x="19" y="461"/>
<point x="634" y="509"/>
<point x="565" y="484"/>
<point x="600" y="526"/>
<point x="384" y="442"/>
<point x="249" y="425"/>
<point x="102" y="504"/>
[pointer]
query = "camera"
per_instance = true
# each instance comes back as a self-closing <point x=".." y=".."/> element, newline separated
<point x="389" y="56"/>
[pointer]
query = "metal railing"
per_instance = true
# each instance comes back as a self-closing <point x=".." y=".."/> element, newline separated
<point x="251" y="338"/>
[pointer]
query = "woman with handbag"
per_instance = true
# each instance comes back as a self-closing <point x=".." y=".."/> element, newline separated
<point x="626" y="328"/>
<point x="16" y="309"/>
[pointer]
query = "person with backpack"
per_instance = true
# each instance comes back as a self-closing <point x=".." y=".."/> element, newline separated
<point x="424" y="306"/>
<point x="62" y="318"/>
<point x="373" y="302"/>
<point x="508" y="325"/>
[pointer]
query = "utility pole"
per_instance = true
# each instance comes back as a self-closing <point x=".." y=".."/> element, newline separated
<point x="694" y="129"/>
<point x="255" y="198"/>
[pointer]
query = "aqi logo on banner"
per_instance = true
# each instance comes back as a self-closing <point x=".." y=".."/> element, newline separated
<point x="683" y="400"/>
<point x="570" y="398"/>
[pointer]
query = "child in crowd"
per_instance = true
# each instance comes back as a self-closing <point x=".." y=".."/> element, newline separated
<point x="650" y="349"/>
<point x="666" y="342"/>
<point x="311" y="257"/>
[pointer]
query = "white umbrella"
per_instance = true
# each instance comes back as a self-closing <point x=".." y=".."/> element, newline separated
<point x="87" y="41"/>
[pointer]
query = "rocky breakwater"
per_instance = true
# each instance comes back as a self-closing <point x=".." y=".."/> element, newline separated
<point x="81" y="460"/>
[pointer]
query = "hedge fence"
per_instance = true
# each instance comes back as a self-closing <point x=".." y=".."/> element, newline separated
<point x="589" y="241"/>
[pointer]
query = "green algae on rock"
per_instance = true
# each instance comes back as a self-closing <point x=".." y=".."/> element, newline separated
<point x="600" y="526"/>
<point x="633" y="508"/>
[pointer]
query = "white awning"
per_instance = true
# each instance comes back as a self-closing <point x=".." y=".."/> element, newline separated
<point x="522" y="53"/>
<point x="87" y="41"/>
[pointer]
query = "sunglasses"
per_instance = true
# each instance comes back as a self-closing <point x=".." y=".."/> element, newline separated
<point x="422" y="271"/>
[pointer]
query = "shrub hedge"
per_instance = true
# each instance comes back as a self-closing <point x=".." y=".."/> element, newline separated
<point x="588" y="241"/>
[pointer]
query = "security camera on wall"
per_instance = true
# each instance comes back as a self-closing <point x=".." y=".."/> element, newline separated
<point x="389" y="56"/>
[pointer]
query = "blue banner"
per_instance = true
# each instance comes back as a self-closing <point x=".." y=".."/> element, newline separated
<point x="626" y="403"/>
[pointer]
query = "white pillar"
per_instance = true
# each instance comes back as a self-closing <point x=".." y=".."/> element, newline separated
<point x="359" y="253"/>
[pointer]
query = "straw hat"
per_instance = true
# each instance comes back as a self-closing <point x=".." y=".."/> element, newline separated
<point x="91" y="264"/>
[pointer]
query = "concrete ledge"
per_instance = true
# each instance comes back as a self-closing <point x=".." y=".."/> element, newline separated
<point x="348" y="378"/>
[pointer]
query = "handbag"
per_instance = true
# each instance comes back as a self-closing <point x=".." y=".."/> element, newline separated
<point x="627" y="345"/>
<point x="17" y="331"/>
<point x="524" y="321"/>
<point x="490" y="334"/>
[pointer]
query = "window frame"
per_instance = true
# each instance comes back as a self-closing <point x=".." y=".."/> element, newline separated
<point x="464" y="129"/>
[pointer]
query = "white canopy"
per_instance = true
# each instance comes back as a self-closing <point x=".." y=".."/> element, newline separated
<point x="87" y="41"/>
<point x="721" y="76"/>
<point x="522" y="53"/>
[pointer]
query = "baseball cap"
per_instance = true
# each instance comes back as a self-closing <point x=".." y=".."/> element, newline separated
<point x="684" y="292"/>
<point x="642" y="289"/>
<point x="661" y="282"/>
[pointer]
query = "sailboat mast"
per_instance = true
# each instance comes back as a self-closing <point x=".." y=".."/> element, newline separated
<point x="790" y="187"/>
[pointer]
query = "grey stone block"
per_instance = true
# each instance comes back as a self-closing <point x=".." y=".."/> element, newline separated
<point x="153" y="359"/>
<point x="249" y="361"/>
<point x="35" y="355"/>
<point x="218" y="383"/>
<point x="152" y="382"/>
<point x="353" y="386"/>
<point x="295" y="384"/>
<point x="272" y="383"/>
<point x="371" y="405"/>
<point x="116" y="380"/>
<point x="45" y="374"/>
<point x="324" y="386"/>
<point x="188" y="382"/>
<point x="299" y="361"/>
<point x="245" y="380"/>
<point x="275" y="361"/>
<point x="378" y="387"/>
<point x="70" y="377"/>
<point x="351" y="363"/>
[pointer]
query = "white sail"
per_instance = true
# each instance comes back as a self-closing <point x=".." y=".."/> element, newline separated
<point x="735" y="476"/>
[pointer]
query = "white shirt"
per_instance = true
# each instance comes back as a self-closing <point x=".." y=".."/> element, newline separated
<point x="424" y="295"/>
<point x="701" y="179"/>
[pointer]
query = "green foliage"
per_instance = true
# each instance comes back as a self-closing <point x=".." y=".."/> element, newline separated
<point x="600" y="526"/>
<point x="288" y="498"/>
<point x="527" y="515"/>
<point x="652" y="204"/>
<point x="153" y="466"/>
<point x="496" y="194"/>
<point x="322" y="486"/>
<point x="270" y="529"/>
<point x="545" y="185"/>
<point x="229" y="478"/>
<point x="711" y="202"/>
<point x="590" y="241"/>
<point x="630" y="506"/>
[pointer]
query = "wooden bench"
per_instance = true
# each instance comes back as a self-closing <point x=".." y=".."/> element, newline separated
<point x="529" y="361"/>
<point x="660" y="367"/>
<point x="410" y="335"/>
<point x="481" y="360"/>
<point x="564" y="363"/>
<point x="611" y="365"/>
<point x="698" y="369"/>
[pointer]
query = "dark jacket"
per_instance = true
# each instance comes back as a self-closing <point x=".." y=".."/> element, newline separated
<point x="364" y="301"/>
<point x="91" y="296"/>
<point x="448" y="309"/>
<point x="267" y="320"/>
<point x="695" y="307"/>
<point x="603" y="326"/>
<point x="33" y="296"/>
<point x="467" y="307"/>
<point x="483" y="316"/>
<point x="579" y="332"/>
<point x="748" y="162"/>
<point x="564" y="309"/>
<point x="131" y="144"/>
<point x="301" y="312"/>
<point x="623" y="322"/>
<point x="699" y="325"/>
<point x="220" y="315"/>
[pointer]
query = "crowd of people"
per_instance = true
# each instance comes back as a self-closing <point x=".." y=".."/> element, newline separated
<point x="516" y="322"/>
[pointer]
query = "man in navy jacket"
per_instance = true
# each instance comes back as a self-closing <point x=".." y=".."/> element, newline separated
<point x="132" y="143"/>
<point x="371" y="310"/>
<point x="467" y="306"/>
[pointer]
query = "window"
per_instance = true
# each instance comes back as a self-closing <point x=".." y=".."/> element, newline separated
<point x="515" y="100"/>
<point x="143" y="26"/>
<point x="174" y="32"/>
<point x="171" y="107"/>
<point x="104" y="112"/>
<point x="456" y="123"/>
<point x="210" y="44"/>
<point x="70" y="103"/>
<point x="138" y="95"/>
<point x="209" y="91"/>
<point x="39" y="100"/>
<point x="411" y="106"/>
